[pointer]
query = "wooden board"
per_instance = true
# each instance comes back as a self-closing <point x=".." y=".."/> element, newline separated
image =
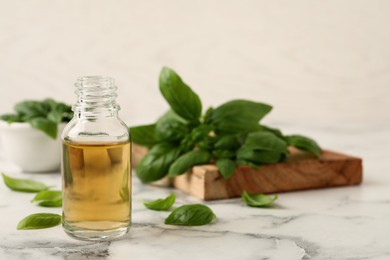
<point x="301" y="172"/>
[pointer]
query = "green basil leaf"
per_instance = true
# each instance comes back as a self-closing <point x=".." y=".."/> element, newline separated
<point x="247" y="163"/>
<point x="258" y="156"/>
<point x="59" y="112"/>
<point x="48" y="127"/>
<point x="30" y="109"/>
<point x="238" y="116"/>
<point x="226" y="167"/>
<point x="207" y="143"/>
<point x="65" y="110"/>
<point x="228" y="142"/>
<point x="39" y="221"/>
<point x="191" y="215"/>
<point x="207" y="115"/>
<point x="55" y="116"/>
<point x="187" y="160"/>
<point x="48" y="198"/>
<point x="224" y="154"/>
<point x="304" y="143"/>
<point x="180" y="97"/>
<point x="154" y="166"/>
<point x="171" y="127"/>
<point x="50" y="103"/>
<point x="200" y="132"/>
<point x="23" y="185"/>
<point x="258" y="200"/>
<point x="161" y="204"/>
<point x="171" y="116"/>
<point x="11" y="118"/>
<point x="144" y="135"/>
<point x="275" y="131"/>
<point x="266" y="141"/>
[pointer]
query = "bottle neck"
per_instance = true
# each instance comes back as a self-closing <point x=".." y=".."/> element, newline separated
<point x="96" y="97"/>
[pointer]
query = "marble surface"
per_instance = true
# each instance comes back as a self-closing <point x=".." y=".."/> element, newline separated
<point x="323" y="65"/>
<point x="337" y="223"/>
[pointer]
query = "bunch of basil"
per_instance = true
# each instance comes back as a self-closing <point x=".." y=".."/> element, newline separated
<point x="228" y="135"/>
<point x="43" y="115"/>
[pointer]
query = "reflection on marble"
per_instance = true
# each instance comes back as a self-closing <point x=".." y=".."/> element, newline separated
<point x="337" y="223"/>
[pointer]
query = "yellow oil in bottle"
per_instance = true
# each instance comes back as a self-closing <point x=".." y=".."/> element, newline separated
<point x="96" y="189"/>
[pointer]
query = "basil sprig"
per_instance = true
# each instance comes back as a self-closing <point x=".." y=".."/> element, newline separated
<point x="161" y="204"/>
<point x="258" y="200"/>
<point x="229" y="135"/>
<point x="43" y="115"/>
<point x="191" y="215"/>
<point x="39" y="221"/>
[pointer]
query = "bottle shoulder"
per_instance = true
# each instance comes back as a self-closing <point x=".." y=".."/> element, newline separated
<point x="96" y="130"/>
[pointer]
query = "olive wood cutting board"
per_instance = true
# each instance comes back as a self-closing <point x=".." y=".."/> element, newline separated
<point x="301" y="171"/>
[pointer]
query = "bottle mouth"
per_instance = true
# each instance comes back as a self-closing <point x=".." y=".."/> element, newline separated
<point x="95" y="84"/>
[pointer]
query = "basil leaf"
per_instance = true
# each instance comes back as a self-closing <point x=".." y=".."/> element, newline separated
<point x="304" y="143"/>
<point x="161" y="204"/>
<point x="187" y="160"/>
<point x="262" y="147"/>
<point x="238" y="116"/>
<point x="180" y="97"/>
<point x="11" y="118"/>
<point x="207" y="115"/>
<point x="228" y="142"/>
<point x="48" y="198"/>
<point x="172" y="116"/>
<point x="55" y="116"/>
<point x="156" y="162"/>
<point x="226" y="167"/>
<point x="23" y="185"/>
<point x="50" y="103"/>
<point x="258" y="200"/>
<point x="144" y="135"/>
<point x="191" y="215"/>
<point x="259" y="157"/>
<point x="247" y="163"/>
<point x="275" y="131"/>
<point x="60" y="112"/>
<point x="266" y="141"/>
<point x="39" y="221"/>
<point x="224" y="154"/>
<point x="30" y="109"/>
<point x="207" y="143"/>
<point x="200" y="132"/>
<point x="171" y="127"/>
<point x="48" y="127"/>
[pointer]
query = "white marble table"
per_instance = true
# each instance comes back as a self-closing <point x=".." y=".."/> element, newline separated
<point x="337" y="223"/>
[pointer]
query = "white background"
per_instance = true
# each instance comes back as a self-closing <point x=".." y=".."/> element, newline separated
<point x="321" y="64"/>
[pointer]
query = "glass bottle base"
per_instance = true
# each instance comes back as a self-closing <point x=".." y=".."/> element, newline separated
<point x="94" y="235"/>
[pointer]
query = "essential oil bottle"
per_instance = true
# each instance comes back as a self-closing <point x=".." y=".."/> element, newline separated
<point x="96" y="164"/>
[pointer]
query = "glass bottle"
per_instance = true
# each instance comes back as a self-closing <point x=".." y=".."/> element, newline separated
<point x="96" y="164"/>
